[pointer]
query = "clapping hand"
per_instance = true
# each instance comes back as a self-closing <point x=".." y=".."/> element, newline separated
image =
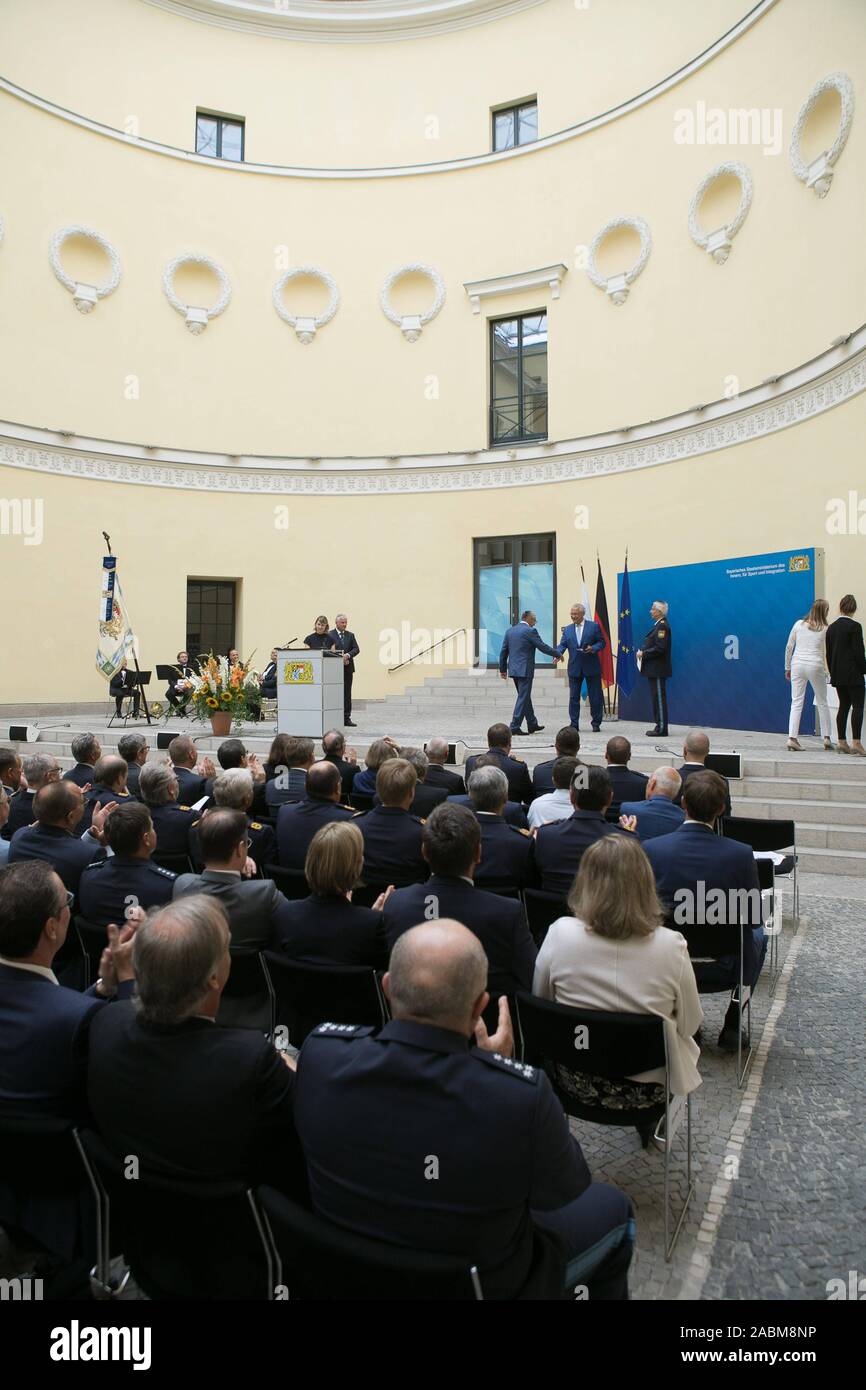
<point x="100" y="816"/>
<point x="628" y="822"/>
<point x="502" y="1041"/>
<point x="255" y="767"/>
<point x="205" y="768"/>
<point x="250" y="868"/>
<point x="383" y="898"/>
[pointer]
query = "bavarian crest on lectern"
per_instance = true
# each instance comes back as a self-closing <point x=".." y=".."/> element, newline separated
<point x="298" y="673"/>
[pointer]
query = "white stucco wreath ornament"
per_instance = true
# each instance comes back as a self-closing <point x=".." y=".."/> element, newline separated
<point x="718" y="243"/>
<point x="84" y="297"/>
<point x="617" y="286"/>
<point x="410" y="325"/>
<point x="819" y="174"/>
<point x="305" y="328"/>
<point x="197" y="319"/>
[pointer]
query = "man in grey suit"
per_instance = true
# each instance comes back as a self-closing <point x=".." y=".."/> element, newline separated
<point x="517" y="660"/>
<point x="254" y="907"/>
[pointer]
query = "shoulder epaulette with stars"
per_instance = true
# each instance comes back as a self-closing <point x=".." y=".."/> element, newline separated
<point x="341" y="1030"/>
<point x="506" y="1064"/>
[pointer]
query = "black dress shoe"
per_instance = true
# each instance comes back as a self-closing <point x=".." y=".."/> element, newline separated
<point x="349" y="724"/>
<point x="596" y="728"/>
<point x="539" y="728"/>
<point x="521" y="732"/>
<point x="653" y="733"/>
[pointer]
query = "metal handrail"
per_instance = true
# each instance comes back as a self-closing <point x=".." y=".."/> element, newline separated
<point x="455" y="633"/>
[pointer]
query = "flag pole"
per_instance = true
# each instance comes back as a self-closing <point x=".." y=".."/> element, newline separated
<point x="107" y="540"/>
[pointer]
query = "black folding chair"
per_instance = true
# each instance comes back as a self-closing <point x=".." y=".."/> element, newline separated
<point x="768" y="836"/>
<point x="93" y="940"/>
<point x="291" y="882"/>
<point x="321" y="1261"/>
<point x="46" y="1187"/>
<point x="188" y="1238"/>
<point x="362" y="801"/>
<point x="247" y="999"/>
<point x="71" y="964"/>
<point x="307" y="995"/>
<point x="772" y="926"/>
<point x="541" y="909"/>
<point x="709" y="943"/>
<point x="175" y="863"/>
<point x="615" y="1046"/>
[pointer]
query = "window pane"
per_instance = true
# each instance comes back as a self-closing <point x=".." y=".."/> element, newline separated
<point x="527" y="124"/>
<point x="505" y="338"/>
<point x="205" y="135"/>
<point x="232" y="141"/>
<point x="503" y="130"/>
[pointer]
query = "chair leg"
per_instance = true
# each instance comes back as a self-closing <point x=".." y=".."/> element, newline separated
<point x="269" y="1248"/>
<point x="670" y="1241"/>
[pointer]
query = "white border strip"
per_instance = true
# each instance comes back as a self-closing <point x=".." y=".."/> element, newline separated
<point x="402" y="170"/>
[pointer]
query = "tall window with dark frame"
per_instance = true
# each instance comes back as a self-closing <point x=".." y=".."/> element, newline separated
<point x="515" y="125"/>
<point x="210" y="616"/>
<point x="220" y="137"/>
<point x="518" y="378"/>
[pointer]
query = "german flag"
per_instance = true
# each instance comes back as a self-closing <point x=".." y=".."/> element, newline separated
<point x="601" y="617"/>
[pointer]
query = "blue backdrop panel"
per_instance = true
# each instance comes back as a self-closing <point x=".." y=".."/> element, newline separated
<point x="744" y="606"/>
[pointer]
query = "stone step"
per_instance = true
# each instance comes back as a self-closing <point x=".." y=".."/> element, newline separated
<point x="815" y="812"/>
<point x="832" y="861"/>
<point x="831" y="837"/>
<point x="806" y="789"/>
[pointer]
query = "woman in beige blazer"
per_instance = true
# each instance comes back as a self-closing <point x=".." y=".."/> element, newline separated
<point x="614" y="954"/>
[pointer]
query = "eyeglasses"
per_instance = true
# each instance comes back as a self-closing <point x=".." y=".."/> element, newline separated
<point x="70" y="899"/>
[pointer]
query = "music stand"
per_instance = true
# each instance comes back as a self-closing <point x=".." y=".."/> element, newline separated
<point x="140" y="679"/>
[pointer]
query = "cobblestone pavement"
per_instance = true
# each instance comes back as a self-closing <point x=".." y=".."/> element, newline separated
<point x="792" y="1215"/>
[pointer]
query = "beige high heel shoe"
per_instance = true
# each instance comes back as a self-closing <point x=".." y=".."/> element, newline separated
<point x="828" y="745"/>
<point x="794" y="746"/>
<point x="842" y="746"/>
<point x="857" y="747"/>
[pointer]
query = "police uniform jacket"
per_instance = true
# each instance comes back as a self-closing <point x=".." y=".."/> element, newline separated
<point x="81" y="774"/>
<point x="438" y="776"/>
<point x="299" y="821"/>
<point x="656" y="648"/>
<point x="506" y="853"/>
<point x="627" y="785"/>
<point x="513" y="812"/>
<point x="348" y="771"/>
<point x="499" y="923"/>
<point x="20" y="812"/>
<point x="332" y="931"/>
<point x="100" y="796"/>
<point x="392" y="846"/>
<point x="481" y="1139"/>
<point x="66" y="853"/>
<point x="519" y="783"/>
<point x="133" y="772"/>
<point x="426" y="799"/>
<point x="109" y="886"/>
<point x="291" y="786"/>
<point x="559" y="848"/>
<point x="542" y="778"/>
<point x="192" y="786"/>
<point x="173" y="823"/>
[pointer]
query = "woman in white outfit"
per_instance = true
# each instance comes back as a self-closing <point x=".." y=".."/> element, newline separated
<point x="615" y="955"/>
<point x="806" y="664"/>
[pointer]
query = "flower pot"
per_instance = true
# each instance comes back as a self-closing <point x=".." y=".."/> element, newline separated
<point x="221" y="722"/>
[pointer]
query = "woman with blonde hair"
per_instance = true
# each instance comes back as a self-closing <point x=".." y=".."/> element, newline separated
<point x="380" y="750"/>
<point x="327" y="928"/>
<point x="806" y="664"/>
<point x="615" y="955"/>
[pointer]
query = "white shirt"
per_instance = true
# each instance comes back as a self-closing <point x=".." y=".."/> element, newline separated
<point x="34" y="969"/>
<point x="555" y="805"/>
<point x="805" y="647"/>
<point x="643" y="974"/>
<point x="578" y="632"/>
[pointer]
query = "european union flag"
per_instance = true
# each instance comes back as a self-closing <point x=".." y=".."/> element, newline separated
<point x="626" y="661"/>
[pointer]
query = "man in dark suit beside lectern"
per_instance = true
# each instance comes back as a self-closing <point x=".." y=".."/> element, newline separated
<point x="345" y="643"/>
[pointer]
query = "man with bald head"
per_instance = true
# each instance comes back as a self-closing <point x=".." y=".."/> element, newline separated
<point x="657" y="814"/>
<point x="298" y="821"/>
<point x="415" y="1137"/>
<point x="696" y="746"/>
<point x="438" y="775"/>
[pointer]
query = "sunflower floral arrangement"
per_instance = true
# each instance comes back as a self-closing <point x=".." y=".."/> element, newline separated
<point x="221" y="688"/>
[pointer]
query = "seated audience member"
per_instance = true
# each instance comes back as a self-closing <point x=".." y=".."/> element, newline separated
<point x="345" y="759"/>
<point x="232" y="753"/>
<point x="392" y="836"/>
<point x="499" y="750"/>
<point x="109" y="785"/>
<point x="4" y="816"/>
<point x="298" y="823"/>
<point x="192" y="773"/>
<point x="10" y="771"/>
<point x="233" y="790"/>
<point x="172" y="821"/>
<point x="379" y="752"/>
<point x="615" y="955"/>
<point x="42" y="1024"/>
<point x="425" y="797"/>
<point x="567" y="746"/>
<point x="268" y="684"/>
<point x="559" y="846"/>
<point x="129" y="878"/>
<point x="696" y="746"/>
<point x="438" y="775"/>
<point x="276" y="756"/>
<point x="498" y="1132"/>
<point x="133" y="748"/>
<point x="86" y="750"/>
<point x="513" y="813"/>
<point x="166" y="1085"/>
<point x="59" y="807"/>
<point x="289" y="781"/>
<point x="706" y="879"/>
<point x="252" y="905"/>
<point x="555" y="805"/>
<point x="627" y="785"/>
<point x="506" y="851"/>
<point x="123" y="684"/>
<point x="657" y="815"/>
<point x="452" y="846"/>
<point x="39" y="769"/>
<point x="327" y="928"/>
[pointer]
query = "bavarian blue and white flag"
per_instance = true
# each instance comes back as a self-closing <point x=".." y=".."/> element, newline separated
<point x="116" y="638"/>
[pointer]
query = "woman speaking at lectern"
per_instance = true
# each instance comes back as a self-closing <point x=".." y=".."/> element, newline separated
<point x="320" y="638"/>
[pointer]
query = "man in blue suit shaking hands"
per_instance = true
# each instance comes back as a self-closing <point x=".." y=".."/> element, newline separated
<point x="583" y="640"/>
<point x="517" y="660"/>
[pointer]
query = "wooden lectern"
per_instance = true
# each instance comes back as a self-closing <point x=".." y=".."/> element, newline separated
<point x="309" y="691"/>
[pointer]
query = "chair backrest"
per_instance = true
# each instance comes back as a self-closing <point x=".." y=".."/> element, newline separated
<point x="766" y="873"/>
<point x="71" y="965"/>
<point x="542" y="909"/>
<point x="760" y="834"/>
<point x="94" y="940"/>
<point x="176" y="863"/>
<point x="184" y="1238"/>
<point x="307" y="995"/>
<point x="292" y="883"/>
<point x="248" y="997"/>
<point x="592" y="1041"/>
<point x="362" y="801"/>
